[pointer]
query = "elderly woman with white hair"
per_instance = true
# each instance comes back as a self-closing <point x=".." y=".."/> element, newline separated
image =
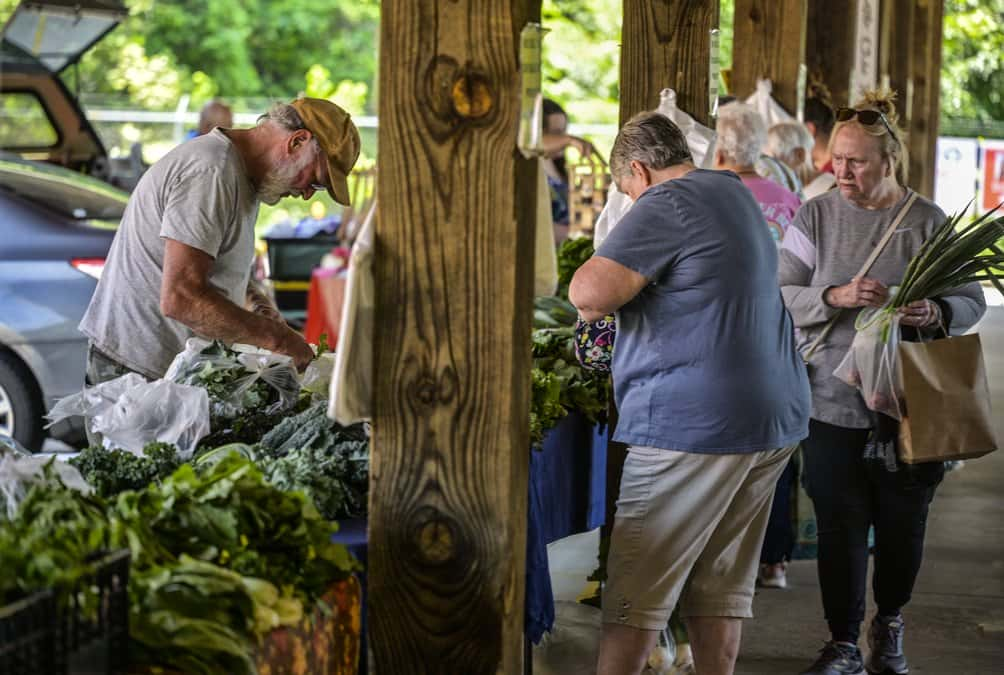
<point x="791" y="143"/>
<point x="742" y="134"/>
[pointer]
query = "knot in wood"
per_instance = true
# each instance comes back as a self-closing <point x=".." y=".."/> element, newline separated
<point x="426" y="390"/>
<point x="472" y="96"/>
<point x="436" y="541"/>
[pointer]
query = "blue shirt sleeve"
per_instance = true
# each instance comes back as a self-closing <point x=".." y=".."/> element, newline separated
<point x="646" y="239"/>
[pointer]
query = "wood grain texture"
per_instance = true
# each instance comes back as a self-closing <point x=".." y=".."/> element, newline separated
<point x="454" y="266"/>
<point x="829" y="45"/>
<point x="769" y="43"/>
<point x="666" y="43"/>
<point x="896" y="53"/>
<point x="925" y="106"/>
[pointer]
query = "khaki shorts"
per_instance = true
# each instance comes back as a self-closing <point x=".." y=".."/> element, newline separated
<point x="688" y="528"/>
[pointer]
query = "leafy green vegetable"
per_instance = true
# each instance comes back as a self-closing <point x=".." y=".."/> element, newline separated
<point x="553" y="312"/>
<point x="572" y="254"/>
<point x="110" y="472"/>
<point x="560" y="384"/>
<point x="322" y="346"/>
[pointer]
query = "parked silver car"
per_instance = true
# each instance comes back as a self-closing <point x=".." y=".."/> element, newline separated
<point x="56" y="227"/>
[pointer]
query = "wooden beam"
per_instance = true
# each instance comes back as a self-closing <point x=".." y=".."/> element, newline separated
<point x="829" y="53"/>
<point x="666" y="43"/>
<point x="925" y="111"/>
<point x="454" y="273"/>
<point x="911" y="66"/>
<point x="769" y="43"/>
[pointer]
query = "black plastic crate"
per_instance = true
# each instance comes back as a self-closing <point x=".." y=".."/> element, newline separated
<point x="293" y="259"/>
<point x="40" y="635"/>
<point x="28" y="635"/>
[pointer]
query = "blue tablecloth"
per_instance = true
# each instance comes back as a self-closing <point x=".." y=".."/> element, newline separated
<point x="567" y="489"/>
<point x="567" y="493"/>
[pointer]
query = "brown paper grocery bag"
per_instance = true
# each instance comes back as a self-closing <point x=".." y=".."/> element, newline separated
<point x="947" y="401"/>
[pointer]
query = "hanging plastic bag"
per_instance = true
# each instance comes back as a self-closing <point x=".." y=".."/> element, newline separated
<point x="18" y="473"/>
<point x="764" y="103"/>
<point x="545" y="258"/>
<point x="238" y="379"/>
<point x="700" y="138"/>
<point x="872" y="363"/>
<point x="129" y="412"/>
<point x="351" y="397"/>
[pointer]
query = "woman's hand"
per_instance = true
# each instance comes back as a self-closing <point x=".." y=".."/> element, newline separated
<point x="861" y="292"/>
<point x="920" y="314"/>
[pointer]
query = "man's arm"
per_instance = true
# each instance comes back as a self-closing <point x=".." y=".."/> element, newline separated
<point x="258" y="301"/>
<point x="602" y="286"/>
<point x="187" y="296"/>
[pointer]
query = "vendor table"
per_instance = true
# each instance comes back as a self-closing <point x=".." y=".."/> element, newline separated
<point x="567" y="486"/>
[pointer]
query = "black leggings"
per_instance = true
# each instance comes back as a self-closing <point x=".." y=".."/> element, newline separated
<point x="851" y="494"/>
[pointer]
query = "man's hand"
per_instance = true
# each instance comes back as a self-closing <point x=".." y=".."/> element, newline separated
<point x="920" y="314"/>
<point x="291" y="343"/>
<point x="861" y="292"/>
<point x="258" y="301"/>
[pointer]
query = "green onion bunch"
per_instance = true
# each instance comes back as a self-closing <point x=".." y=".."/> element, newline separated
<point x="953" y="257"/>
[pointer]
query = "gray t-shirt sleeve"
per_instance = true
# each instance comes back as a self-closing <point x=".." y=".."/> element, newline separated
<point x="198" y="210"/>
<point x="796" y="267"/>
<point x="642" y="241"/>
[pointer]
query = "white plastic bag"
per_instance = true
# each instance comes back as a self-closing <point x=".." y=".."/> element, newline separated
<point x="18" y="473"/>
<point x="317" y="377"/>
<point x="764" y="103"/>
<point x="618" y="204"/>
<point x="247" y="368"/>
<point x="872" y="363"/>
<point x="351" y="397"/>
<point x="700" y="138"/>
<point x="130" y="412"/>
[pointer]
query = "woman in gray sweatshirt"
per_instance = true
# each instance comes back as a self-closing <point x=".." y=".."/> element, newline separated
<point x="823" y="251"/>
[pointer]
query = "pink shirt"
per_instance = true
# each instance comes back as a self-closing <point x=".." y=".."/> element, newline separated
<point x="777" y="203"/>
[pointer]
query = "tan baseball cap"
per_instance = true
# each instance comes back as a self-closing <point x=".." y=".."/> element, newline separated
<point x="338" y="138"/>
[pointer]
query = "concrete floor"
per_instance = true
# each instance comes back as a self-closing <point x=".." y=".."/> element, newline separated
<point x="955" y="623"/>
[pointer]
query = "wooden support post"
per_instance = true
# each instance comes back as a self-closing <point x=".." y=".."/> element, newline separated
<point x="666" y="43"/>
<point x="829" y="49"/>
<point x="769" y="43"/>
<point x="454" y="271"/>
<point x="925" y="112"/>
<point x="911" y="65"/>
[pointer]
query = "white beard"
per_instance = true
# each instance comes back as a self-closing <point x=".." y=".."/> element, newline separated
<point x="278" y="182"/>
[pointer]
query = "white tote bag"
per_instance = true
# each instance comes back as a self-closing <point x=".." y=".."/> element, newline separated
<point x="352" y="382"/>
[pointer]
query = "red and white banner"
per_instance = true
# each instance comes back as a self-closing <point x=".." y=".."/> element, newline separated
<point x="992" y="174"/>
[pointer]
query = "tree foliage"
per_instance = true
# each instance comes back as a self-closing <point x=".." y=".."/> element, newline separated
<point x="972" y="71"/>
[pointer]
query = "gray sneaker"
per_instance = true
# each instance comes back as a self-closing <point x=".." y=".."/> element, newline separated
<point x="885" y="646"/>
<point x="837" y="658"/>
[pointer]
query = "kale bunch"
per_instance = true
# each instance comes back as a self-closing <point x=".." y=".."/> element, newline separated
<point x="110" y="472"/>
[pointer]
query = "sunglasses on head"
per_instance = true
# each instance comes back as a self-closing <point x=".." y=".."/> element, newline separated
<point x="866" y="117"/>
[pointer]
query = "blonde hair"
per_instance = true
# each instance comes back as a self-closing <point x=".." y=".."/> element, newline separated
<point x="892" y="146"/>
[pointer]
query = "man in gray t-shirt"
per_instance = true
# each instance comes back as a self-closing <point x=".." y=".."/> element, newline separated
<point x="180" y="263"/>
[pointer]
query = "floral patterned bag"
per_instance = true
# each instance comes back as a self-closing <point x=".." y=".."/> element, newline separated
<point x="594" y="343"/>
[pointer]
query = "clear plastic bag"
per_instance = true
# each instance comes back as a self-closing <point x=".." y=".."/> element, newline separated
<point x="769" y="109"/>
<point x="872" y="363"/>
<point x="9" y="446"/>
<point x="237" y="379"/>
<point x="130" y="412"/>
<point x="700" y="138"/>
<point x="18" y="473"/>
<point x="317" y="377"/>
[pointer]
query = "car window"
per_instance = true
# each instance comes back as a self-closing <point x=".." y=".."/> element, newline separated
<point x="70" y="194"/>
<point x="24" y="122"/>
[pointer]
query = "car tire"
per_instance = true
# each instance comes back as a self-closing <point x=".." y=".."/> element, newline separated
<point x="21" y="408"/>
